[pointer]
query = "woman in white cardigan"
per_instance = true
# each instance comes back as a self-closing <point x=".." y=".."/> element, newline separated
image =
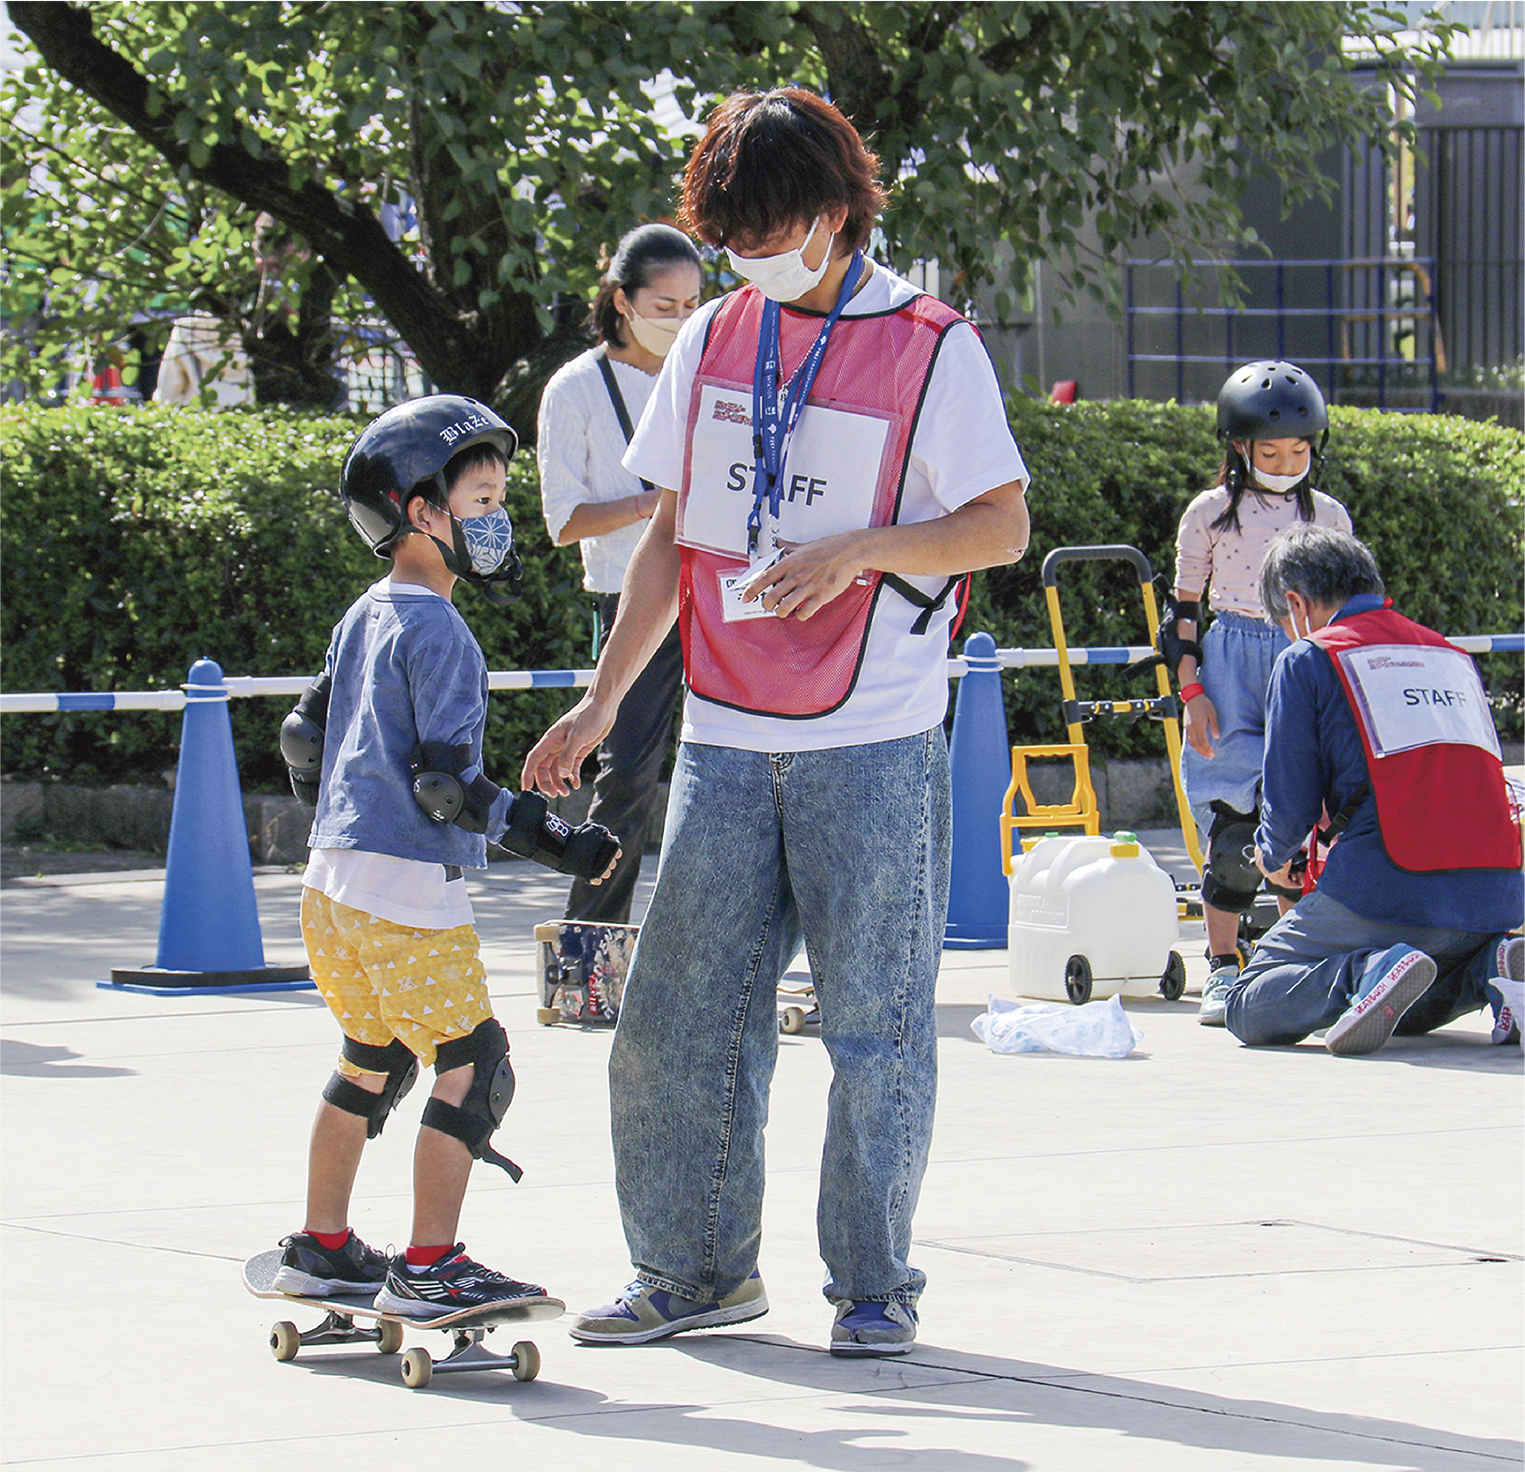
<point x="587" y="415"/>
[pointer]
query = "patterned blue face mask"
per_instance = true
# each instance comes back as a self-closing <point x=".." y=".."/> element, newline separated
<point x="489" y="540"/>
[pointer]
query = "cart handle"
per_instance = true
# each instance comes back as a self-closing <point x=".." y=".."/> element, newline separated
<point x="1094" y="554"/>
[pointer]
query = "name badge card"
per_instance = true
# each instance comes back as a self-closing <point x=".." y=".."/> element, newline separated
<point x="1418" y="695"/>
<point x="829" y="480"/>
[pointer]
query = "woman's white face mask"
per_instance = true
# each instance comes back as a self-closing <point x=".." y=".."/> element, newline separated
<point x="784" y="277"/>
<point x="655" y="334"/>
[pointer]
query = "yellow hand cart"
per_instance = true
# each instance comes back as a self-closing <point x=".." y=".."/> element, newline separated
<point x="1081" y="810"/>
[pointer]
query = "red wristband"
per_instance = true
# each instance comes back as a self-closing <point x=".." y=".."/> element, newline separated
<point x="1190" y="692"/>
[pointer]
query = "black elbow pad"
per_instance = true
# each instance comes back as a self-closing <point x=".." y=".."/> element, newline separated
<point x="302" y="734"/>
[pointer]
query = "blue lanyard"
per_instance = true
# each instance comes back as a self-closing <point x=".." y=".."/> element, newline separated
<point x="772" y="425"/>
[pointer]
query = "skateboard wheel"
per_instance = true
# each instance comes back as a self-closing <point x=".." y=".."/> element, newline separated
<point x="526" y="1360"/>
<point x="547" y="1016"/>
<point x="388" y="1337"/>
<point x="791" y="1020"/>
<point x="417" y="1369"/>
<point x="285" y="1341"/>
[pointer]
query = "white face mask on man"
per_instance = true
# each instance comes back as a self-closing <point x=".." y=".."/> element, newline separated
<point x="784" y="277"/>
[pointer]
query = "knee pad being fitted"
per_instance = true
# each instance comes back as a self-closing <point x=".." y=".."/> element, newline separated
<point x="1230" y="880"/>
<point x="396" y="1061"/>
<point x="485" y="1048"/>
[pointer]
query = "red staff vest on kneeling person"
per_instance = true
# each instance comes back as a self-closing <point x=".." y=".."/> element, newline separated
<point x="845" y="471"/>
<point x="1431" y="749"/>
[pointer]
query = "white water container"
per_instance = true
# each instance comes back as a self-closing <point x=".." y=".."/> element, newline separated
<point x="1092" y="917"/>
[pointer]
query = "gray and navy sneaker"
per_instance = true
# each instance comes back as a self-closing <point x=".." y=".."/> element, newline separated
<point x="1393" y="981"/>
<point x="449" y="1286"/>
<point x="310" y="1269"/>
<point x="868" y="1327"/>
<point x="642" y="1313"/>
<point x="1215" y="990"/>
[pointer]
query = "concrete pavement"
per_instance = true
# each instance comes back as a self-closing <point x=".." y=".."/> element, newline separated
<point x="1197" y="1257"/>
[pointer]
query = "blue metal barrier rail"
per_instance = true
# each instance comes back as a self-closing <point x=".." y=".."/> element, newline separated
<point x="243" y="686"/>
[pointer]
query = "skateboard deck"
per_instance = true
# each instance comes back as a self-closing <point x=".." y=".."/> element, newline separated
<point x="581" y="966"/>
<point x="342" y="1310"/>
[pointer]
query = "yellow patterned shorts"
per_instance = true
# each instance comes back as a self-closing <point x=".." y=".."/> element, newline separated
<point x="384" y="981"/>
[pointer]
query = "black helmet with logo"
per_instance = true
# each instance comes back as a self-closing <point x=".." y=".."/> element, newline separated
<point x="1272" y="400"/>
<point x="404" y="453"/>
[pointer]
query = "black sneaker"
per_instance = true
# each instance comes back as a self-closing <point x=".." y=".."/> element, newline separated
<point x="310" y="1269"/>
<point x="450" y="1286"/>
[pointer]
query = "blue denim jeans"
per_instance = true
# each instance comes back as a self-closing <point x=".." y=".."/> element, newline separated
<point x="1306" y="968"/>
<point x="1237" y="656"/>
<point x="848" y="849"/>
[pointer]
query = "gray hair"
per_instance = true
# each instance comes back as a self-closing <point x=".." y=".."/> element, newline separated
<point x="1318" y="563"/>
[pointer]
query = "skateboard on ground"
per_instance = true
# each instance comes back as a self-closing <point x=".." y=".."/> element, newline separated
<point x="800" y="1008"/>
<point x="468" y="1327"/>
<point x="581" y="966"/>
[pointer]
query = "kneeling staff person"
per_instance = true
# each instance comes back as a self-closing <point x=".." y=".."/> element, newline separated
<point x="387" y="746"/>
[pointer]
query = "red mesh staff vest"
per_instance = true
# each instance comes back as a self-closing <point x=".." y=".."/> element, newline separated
<point x="1441" y="804"/>
<point x="875" y="370"/>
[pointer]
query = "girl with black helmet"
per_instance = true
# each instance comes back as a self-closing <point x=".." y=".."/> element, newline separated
<point x="587" y="415"/>
<point x="1273" y="424"/>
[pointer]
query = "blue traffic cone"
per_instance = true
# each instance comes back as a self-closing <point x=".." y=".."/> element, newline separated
<point x="209" y="935"/>
<point x="980" y="760"/>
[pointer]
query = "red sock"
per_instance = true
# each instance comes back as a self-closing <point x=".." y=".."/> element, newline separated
<point x="423" y="1257"/>
<point x="333" y="1241"/>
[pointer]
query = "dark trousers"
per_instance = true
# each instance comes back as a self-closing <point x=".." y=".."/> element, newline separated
<point x="629" y="763"/>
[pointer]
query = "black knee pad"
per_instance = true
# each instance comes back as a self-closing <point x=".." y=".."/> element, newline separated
<point x="1230" y="880"/>
<point x="486" y="1102"/>
<point x="396" y="1060"/>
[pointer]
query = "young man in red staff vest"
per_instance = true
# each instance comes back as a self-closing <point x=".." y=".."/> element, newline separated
<point x="834" y="455"/>
<point x="1378" y="724"/>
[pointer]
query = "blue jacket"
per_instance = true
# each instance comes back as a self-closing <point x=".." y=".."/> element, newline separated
<point x="405" y="670"/>
<point x="1314" y="759"/>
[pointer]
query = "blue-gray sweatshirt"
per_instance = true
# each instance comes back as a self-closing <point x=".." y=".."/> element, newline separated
<point x="405" y="670"/>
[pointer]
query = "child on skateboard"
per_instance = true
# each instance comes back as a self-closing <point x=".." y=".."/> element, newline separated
<point x="387" y="746"/>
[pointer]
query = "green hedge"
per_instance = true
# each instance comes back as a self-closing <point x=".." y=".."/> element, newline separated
<point x="137" y="542"/>
<point x="1438" y="499"/>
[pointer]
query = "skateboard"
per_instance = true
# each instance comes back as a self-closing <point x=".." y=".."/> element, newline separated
<point x="468" y="1327"/>
<point x="581" y="966"/>
<point x="801" y="1010"/>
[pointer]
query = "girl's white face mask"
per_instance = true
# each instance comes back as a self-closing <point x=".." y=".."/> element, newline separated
<point x="784" y="277"/>
<point x="1278" y="484"/>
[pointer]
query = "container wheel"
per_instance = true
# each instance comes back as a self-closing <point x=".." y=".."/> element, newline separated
<point x="1173" y="982"/>
<point x="1077" y="980"/>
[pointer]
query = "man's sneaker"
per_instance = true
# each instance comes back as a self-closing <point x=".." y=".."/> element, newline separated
<point x="1220" y="981"/>
<point x="1392" y="983"/>
<point x="312" y="1270"/>
<point x="1503" y="985"/>
<point x="867" y="1327"/>
<point x="642" y="1313"/>
<point x="449" y="1286"/>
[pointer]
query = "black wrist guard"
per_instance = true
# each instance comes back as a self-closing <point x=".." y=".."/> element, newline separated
<point x="535" y="832"/>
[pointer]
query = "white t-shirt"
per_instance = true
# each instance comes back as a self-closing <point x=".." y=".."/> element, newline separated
<point x="961" y="448"/>
<point x="404" y="891"/>
<point x="579" y="445"/>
